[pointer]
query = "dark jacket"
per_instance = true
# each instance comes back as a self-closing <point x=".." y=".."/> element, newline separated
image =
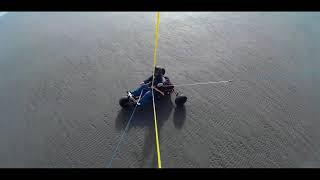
<point x="157" y="79"/>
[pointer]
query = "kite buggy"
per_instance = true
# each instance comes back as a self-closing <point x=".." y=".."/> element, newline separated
<point x="159" y="84"/>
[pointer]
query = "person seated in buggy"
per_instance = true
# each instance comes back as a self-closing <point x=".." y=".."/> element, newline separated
<point x="145" y="89"/>
<point x="162" y="86"/>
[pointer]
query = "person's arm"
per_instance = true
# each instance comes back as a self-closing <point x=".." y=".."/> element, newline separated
<point x="148" y="80"/>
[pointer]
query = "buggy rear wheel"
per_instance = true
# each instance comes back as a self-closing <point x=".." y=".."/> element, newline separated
<point x="180" y="100"/>
<point x="124" y="102"/>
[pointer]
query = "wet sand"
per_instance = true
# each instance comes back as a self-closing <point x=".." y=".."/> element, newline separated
<point x="62" y="74"/>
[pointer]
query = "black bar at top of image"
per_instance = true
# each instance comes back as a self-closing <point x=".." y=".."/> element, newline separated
<point x="163" y="5"/>
<point x="186" y="173"/>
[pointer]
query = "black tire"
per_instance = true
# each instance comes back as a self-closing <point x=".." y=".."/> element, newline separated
<point x="180" y="100"/>
<point x="124" y="102"/>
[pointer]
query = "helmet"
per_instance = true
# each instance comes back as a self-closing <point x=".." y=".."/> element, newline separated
<point x="159" y="70"/>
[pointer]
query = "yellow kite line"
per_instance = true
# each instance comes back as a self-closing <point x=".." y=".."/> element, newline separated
<point x="154" y="107"/>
